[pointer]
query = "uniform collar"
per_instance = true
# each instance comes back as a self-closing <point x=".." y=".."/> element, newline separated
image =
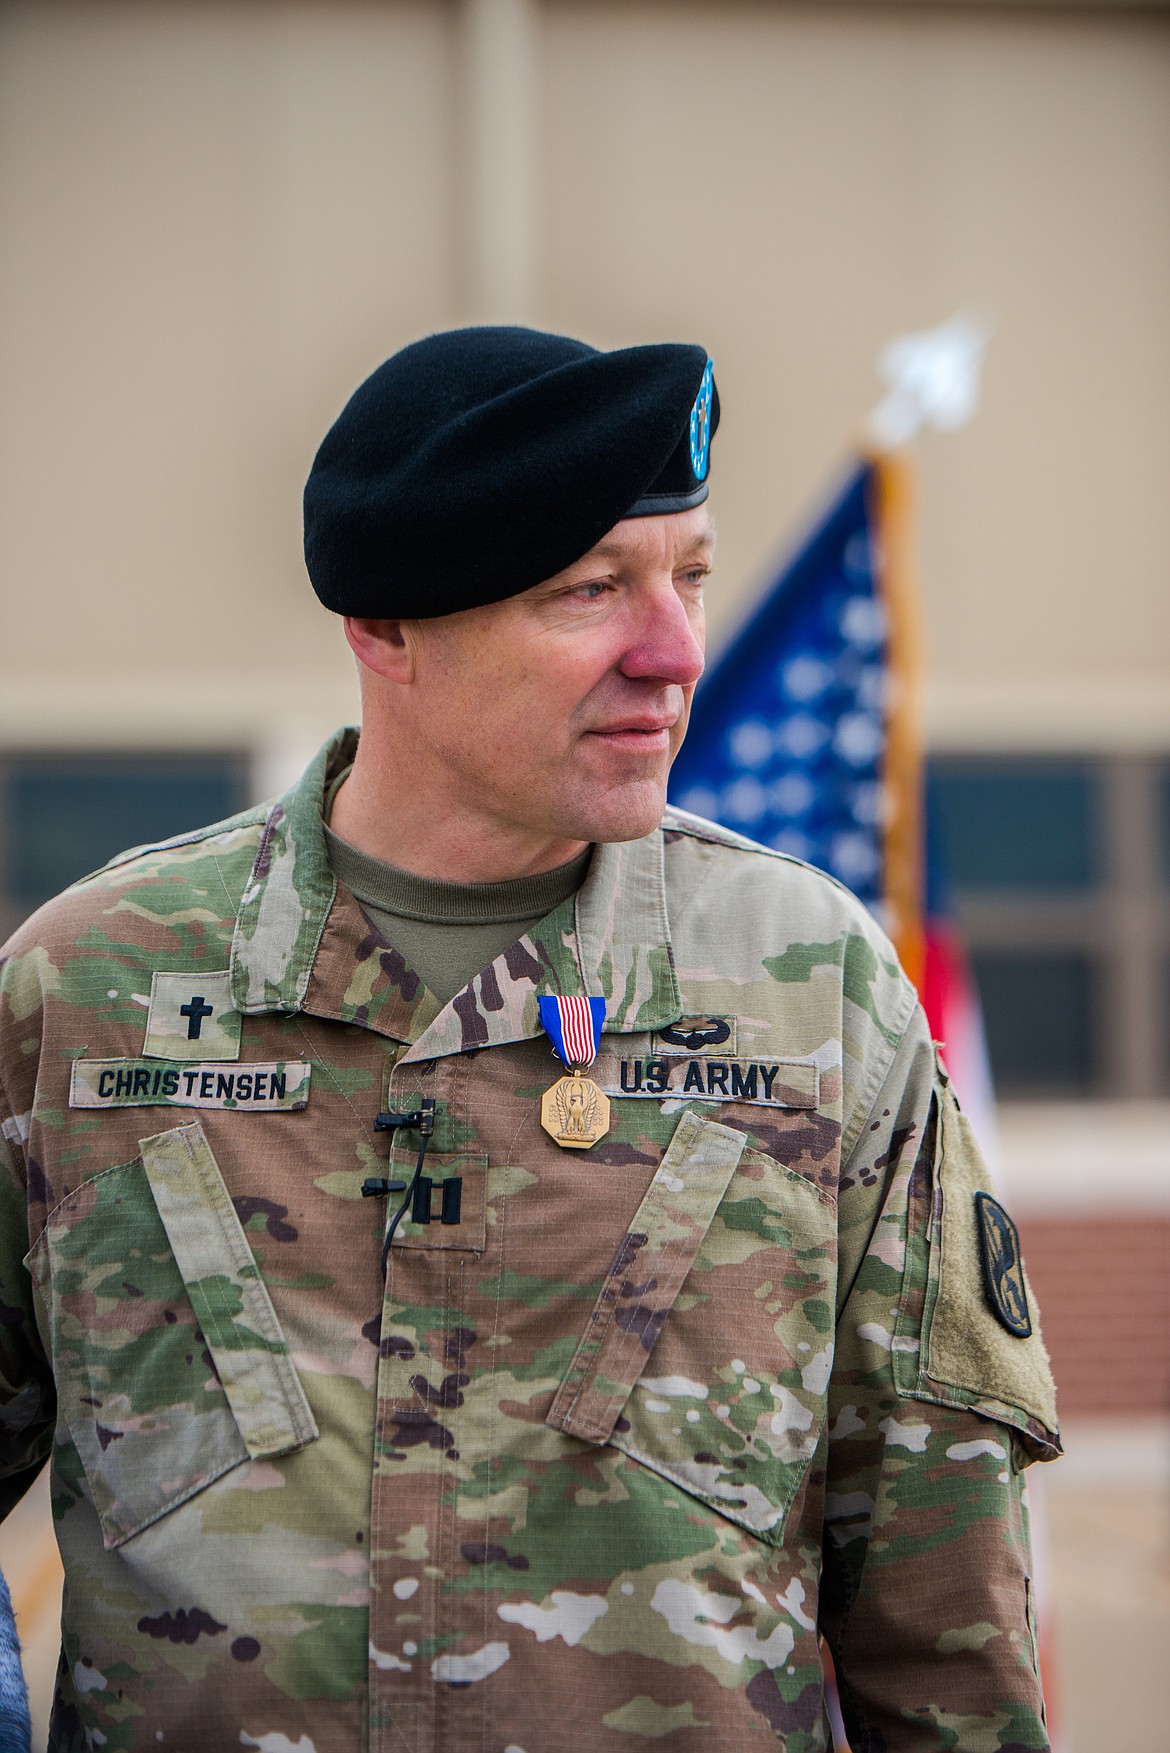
<point x="303" y="943"/>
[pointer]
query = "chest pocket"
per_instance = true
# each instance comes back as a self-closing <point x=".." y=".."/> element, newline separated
<point x="708" y="1351"/>
<point x="171" y="1366"/>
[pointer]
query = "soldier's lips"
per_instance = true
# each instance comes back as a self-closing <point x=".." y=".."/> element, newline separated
<point x="638" y="736"/>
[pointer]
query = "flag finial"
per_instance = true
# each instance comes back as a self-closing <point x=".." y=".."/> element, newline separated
<point x="933" y="379"/>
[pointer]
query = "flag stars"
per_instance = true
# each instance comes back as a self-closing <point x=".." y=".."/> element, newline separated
<point x="802" y="736"/>
<point x="863" y="620"/>
<point x="805" y="677"/>
<point x="745" y="800"/>
<point x="858" y="738"/>
<point x="751" y="743"/>
<point x="792" y="794"/>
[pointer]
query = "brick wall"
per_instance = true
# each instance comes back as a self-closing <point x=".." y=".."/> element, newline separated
<point x="1103" y="1284"/>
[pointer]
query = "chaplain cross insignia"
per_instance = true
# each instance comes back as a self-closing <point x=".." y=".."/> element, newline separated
<point x="195" y="1013"/>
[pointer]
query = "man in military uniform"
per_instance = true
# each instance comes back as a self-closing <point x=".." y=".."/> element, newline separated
<point x="493" y="1259"/>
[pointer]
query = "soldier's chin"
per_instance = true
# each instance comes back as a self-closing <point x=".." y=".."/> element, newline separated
<point x="626" y="812"/>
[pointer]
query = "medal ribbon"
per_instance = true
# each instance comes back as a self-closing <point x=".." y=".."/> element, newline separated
<point x="574" y="1027"/>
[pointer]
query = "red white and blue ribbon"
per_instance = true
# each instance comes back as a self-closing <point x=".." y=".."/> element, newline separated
<point x="574" y="1027"/>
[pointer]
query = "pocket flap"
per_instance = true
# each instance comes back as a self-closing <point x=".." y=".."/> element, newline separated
<point x="647" y="1272"/>
<point x="227" y="1293"/>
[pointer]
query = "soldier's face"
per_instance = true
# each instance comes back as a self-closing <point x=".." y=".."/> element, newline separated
<point x="559" y="711"/>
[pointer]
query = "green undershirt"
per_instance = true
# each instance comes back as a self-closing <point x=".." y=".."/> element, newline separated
<point x="447" y="932"/>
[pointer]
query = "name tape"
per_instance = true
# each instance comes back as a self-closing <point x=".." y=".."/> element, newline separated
<point x="161" y="1083"/>
<point x="772" y="1083"/>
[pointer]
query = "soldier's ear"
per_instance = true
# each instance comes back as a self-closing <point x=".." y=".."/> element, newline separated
<point x="384" y="646"/>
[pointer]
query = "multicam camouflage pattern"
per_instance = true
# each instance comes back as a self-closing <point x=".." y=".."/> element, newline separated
<point x="594" y="1464"/>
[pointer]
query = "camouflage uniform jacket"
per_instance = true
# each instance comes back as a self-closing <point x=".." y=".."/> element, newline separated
<point x="592" y="1466"/>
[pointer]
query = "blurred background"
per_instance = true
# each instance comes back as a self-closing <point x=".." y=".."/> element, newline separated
<point x="217" y="217"/>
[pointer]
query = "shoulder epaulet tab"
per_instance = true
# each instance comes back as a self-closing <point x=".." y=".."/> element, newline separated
<point x="255" y="817"/>
<point x="678" y="821"/>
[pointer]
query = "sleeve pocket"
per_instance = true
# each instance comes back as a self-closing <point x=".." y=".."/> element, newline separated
<point x="171" y="1366"/>
<point x="949" y="1346"/>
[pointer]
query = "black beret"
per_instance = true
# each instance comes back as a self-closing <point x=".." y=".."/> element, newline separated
<point x="476" y="463"/>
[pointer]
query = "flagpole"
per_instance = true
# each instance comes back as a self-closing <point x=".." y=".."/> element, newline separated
<point x="893" y="488"/>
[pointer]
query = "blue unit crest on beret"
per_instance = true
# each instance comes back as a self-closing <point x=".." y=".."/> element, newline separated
<point x="701" y="425"/>
<point x="1003" y="1267"/>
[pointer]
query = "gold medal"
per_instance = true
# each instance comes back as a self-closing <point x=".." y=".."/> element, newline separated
<point x="574" y="1112"/>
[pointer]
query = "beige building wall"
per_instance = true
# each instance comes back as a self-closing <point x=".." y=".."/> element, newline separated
<point x="800" y="183"/>
<point x="217" y="217"/>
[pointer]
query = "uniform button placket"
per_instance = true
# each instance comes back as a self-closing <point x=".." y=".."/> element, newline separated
<point x="412" y="1443"/>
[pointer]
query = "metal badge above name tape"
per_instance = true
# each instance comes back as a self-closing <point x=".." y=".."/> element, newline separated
<point x="697" y="1034"/>
<point x="192" y="1016"/>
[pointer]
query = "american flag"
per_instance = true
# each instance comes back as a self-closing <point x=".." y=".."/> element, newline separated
<point x="803" y="732"/>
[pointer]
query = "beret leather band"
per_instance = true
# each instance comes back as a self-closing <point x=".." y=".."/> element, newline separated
<point x="655" y="504"/>
<point x="478" y="462"/>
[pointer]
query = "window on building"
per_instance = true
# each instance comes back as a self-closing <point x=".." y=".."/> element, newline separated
<point x="63" y="815"/>
<point x="1062" y="873"/>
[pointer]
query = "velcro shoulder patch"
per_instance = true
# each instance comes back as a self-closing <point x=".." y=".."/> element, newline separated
<point x="1003" y="1275"/>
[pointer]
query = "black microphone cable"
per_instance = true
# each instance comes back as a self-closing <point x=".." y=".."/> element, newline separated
<point x="422" y="1118"/>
